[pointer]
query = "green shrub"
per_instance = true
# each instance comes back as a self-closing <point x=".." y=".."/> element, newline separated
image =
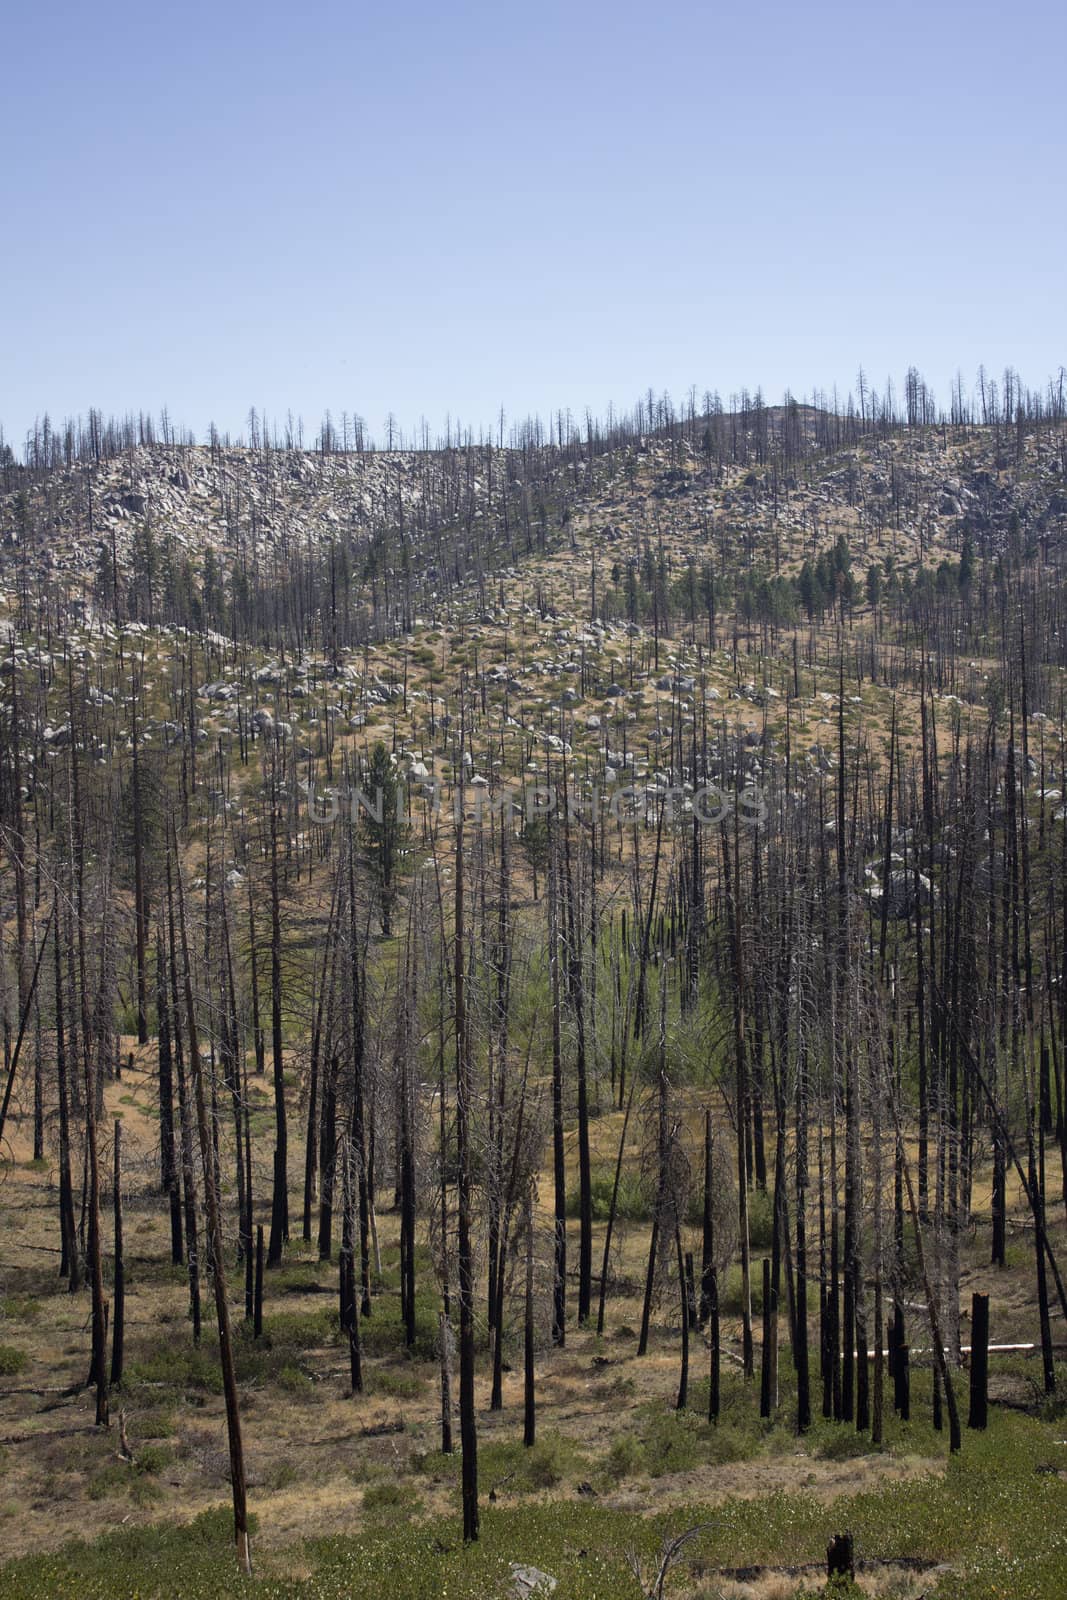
<point x="634" y="1202"/>
<point x="390" y="1496"/>
<point x="760" y="1219"/>
<point x="382" y="1333"/>
<point x="510" y="1465"/>
<point x="156" y="1422"/>
<point x="20" y="1308"/>
<point x="841" y="1443"/>
<point x="152" y="1458"/>
<point x="400" y="1385"/>
<point x="678" y="1441"/>
<point x="295" y="1381"/>
<point x="144" y="1492"/>
<point x="115" y="1478"/>
<point x="545" y="1463"/>
<point x="625" y="1459"/>
<point x="281" y="1475"/>
<point x="12" y="1361"/>
<point x="181" y="1365"/>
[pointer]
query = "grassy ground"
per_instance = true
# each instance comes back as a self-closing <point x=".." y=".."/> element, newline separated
<point x="989" y="1526"/>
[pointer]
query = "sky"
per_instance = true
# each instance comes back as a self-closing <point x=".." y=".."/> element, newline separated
<point x="444" y="210"/>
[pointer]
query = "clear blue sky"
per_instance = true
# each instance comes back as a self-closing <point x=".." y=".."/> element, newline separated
<point x="432" y="209"/>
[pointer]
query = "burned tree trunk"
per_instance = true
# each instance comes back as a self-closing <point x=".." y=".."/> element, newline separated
<point x="559" y="1275"/>
<point x="167" y="1149"/>
<point x="683" y="1291"/>
<point x="613" y="1207"/>
<point x="279" y="1213"/>
<point x="529" y="1419"/>
<point x="464" y="1090"/>
<point x="192" y="1245"/>
<point x="218" y="1271"/>
<point x="70" y="1264"/>
<point x="347" y="1266"/>
<point x="118" y="1318"/>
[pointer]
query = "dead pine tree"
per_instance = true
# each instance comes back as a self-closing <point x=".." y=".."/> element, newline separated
<point x="683" y="1290"/>
<point x="70" y="1263"/>
<point x="92" y="1068"/>
<point x="118" y="1317"/>
<point x="731" y="888"/>
<point x="800" y="1319"/>
<point x="140" y="896"/>
<point x="328" y="1157"/>
<point x="257" y="1292"/>
<point x="465" y="1254"/>
<point x="529" y="1419"/>
<point x="218" y="1271"/>
<point x="878" y="1378"/>
<point x="192" y="1240"/>
<point x="169" y="1172"/>
<point x="769" y="1350"/>
<point x="613" y="1207"/>
<point x="25" y="1008"/>
<point x="349" y="1298"/>
<point x="942" y="1375"/>
<point x="660" y="1207"/>
<point x="559" y="1169"/>
<point x="317" y="1089"/>
<point x="510" y="1199"/>
<point x="576" y="991"/>
<point x="357" y="1132"/>
<point x="406" y="1110"/>
<point x="497" y="960"/>
<point x="710" y="1274"/>
<point x="279" y="1212"/>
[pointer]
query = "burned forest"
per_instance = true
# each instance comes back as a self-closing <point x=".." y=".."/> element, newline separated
<point x="533" y="985"/>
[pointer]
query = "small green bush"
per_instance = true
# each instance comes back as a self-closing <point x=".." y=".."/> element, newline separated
<point x="511" y="1466"/>
<point x="396" y="1498"/>
<point x="20" y="1308"/>
<point x="144" y="1492"/>
<point x="115" y="1478"/>
<point x="295" y="1381"/>
<point x="282" y="1475"/>
<point x="634" y="1203"/>
<point x="842" y="1443"/>
<point x="625" y="1459"/>
<point x="12" y="1361"/>
<point x="545" y="1463"/>
<point x="400" y="1385"/>
<point x="152" y="1458"/>
<point x="382" y="1333"/>
<point x="760" y="1219"/>
<point x="181" y="1365"/>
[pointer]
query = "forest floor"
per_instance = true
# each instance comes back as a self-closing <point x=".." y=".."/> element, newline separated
<point x="322" y="1464"/>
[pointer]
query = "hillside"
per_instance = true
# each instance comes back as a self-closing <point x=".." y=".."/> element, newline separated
<point x="682" y="1035"/>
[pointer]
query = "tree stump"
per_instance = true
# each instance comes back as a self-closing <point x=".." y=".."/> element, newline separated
<point x="979" y="1361"/>
<point x="840" y="1562"/>
<point x="902" y="1382"/>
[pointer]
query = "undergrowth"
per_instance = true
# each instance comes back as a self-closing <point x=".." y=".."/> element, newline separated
<point x="996" y="1515"/>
